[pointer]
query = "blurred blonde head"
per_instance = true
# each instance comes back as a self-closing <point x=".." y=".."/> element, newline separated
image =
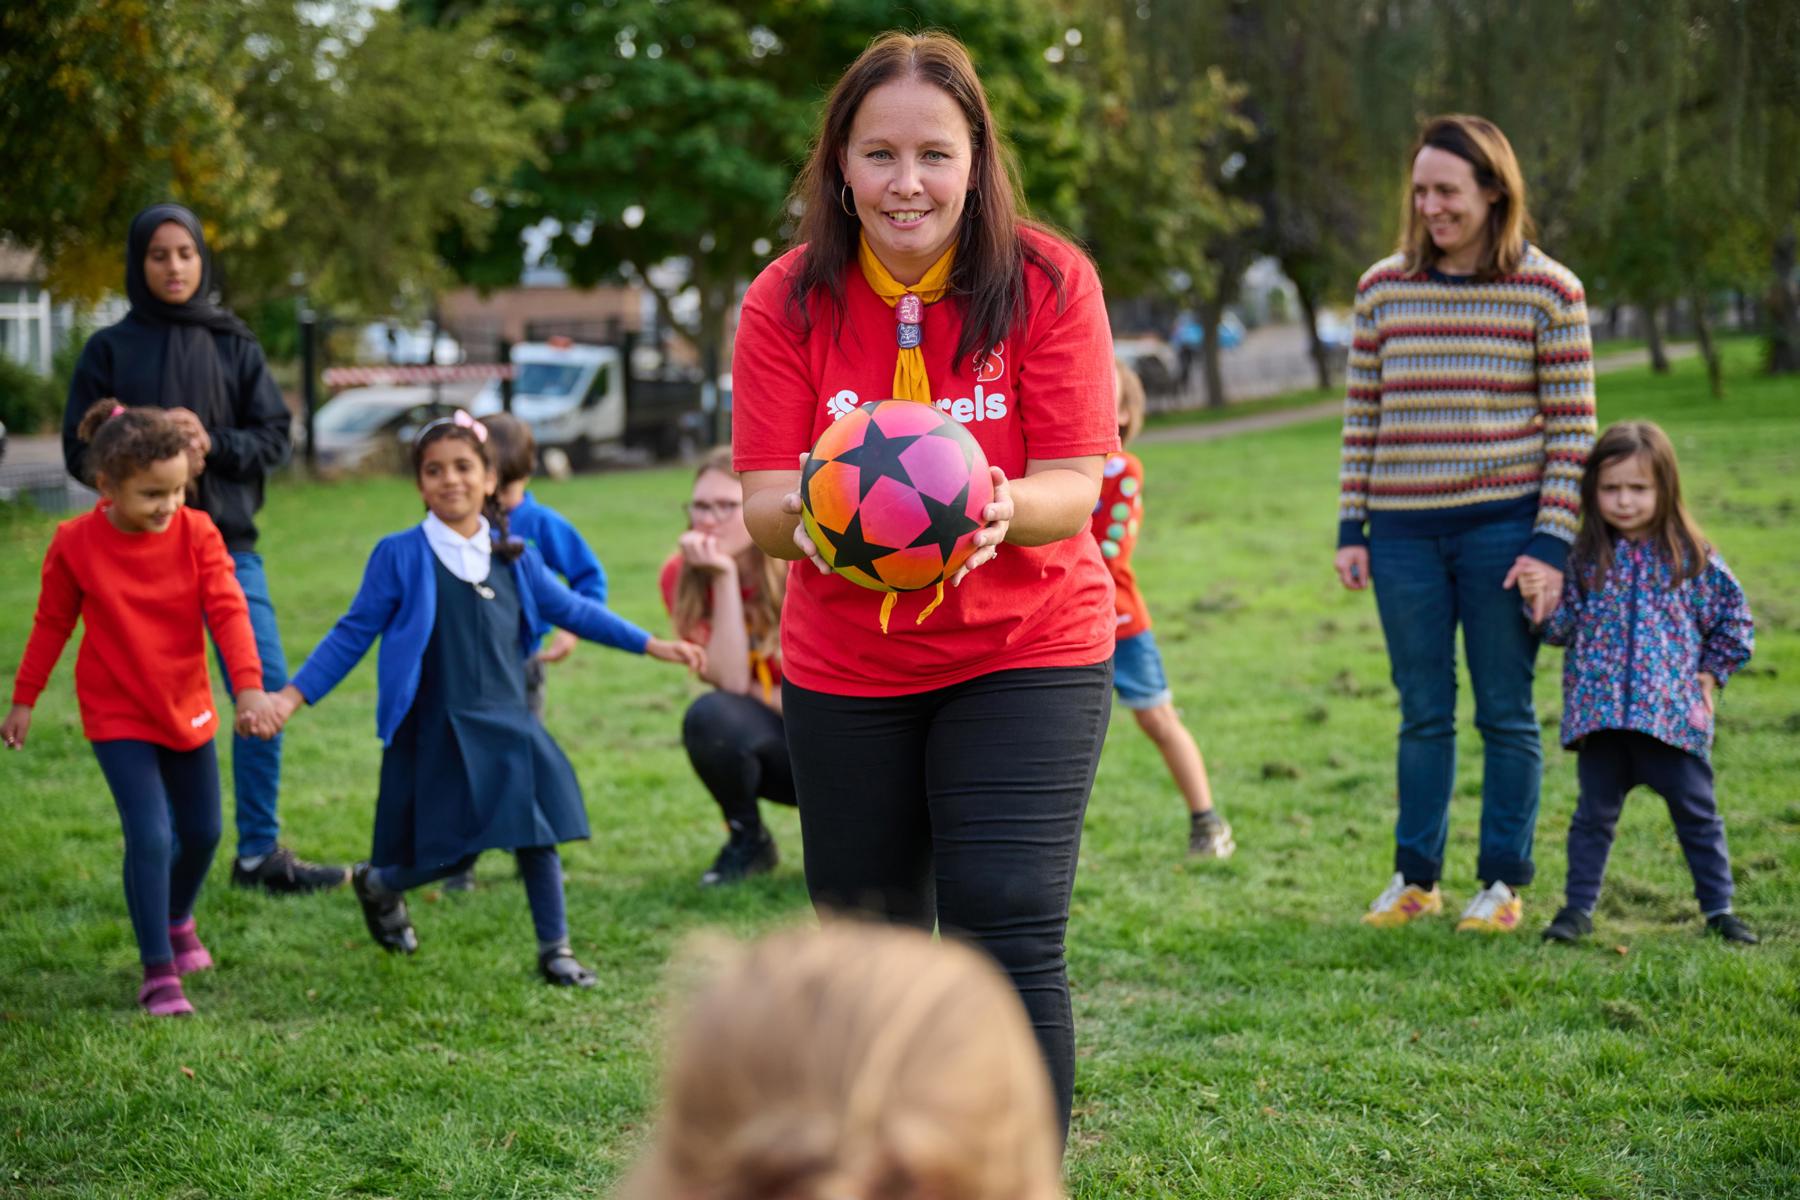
<point x="854" y="1063"/>
<point x="1128" y="387"/>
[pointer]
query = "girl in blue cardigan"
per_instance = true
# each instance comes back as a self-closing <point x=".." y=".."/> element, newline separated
<point x="464" y="767"/>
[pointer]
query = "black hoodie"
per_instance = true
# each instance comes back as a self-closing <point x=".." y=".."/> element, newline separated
<point x="194" y="355"/>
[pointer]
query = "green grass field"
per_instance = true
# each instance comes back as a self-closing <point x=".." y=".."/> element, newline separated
<point x="1239" y="1033"/>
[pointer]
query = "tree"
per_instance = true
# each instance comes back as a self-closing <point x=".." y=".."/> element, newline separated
<point x="682" y="127"/>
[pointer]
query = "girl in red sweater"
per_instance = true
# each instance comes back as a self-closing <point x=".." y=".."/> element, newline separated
<point x="147" y="576"/>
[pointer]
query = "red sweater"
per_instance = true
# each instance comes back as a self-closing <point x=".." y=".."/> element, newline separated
<point x="147" y="600"/>
<point x="1115" y="527"/>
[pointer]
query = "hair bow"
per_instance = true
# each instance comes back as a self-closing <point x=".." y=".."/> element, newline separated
<point x="462" y="420"/>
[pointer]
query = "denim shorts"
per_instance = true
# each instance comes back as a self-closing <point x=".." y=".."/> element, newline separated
<point x="1138" y="673"/>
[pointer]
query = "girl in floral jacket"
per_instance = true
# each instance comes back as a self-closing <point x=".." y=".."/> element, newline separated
<point x="1654" y="624"/>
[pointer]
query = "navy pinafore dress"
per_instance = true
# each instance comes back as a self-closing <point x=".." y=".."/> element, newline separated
<point x="469" y="768"/>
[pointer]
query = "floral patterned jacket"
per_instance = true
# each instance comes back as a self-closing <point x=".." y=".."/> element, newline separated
<point x="1636" y="647"/>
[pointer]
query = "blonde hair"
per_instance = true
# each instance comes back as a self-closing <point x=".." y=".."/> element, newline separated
<point x="855" y="1061"/>
<point x="1131" y="396"/>
<point x="767" y="578"/>
<point x="1478" y="142"/>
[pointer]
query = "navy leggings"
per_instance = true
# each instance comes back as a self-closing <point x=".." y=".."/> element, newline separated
<point x="539" y="866"/>
<point x="168" y="803"/>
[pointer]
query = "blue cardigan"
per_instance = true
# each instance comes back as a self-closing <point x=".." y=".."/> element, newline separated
<point x="565" y="551"/>
<point x="397" y="602"/>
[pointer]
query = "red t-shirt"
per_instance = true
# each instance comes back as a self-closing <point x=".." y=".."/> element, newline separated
<point x="671" y="578"/>
<point x="1116" y="520"/>
<point x="146" y="601"/>
<point x="1046" y="392"/>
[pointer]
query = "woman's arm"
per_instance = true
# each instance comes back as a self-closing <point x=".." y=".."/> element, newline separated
<point x="772" y="511"/>
<point x="1054" y="500"/>
<point x="92" y="381"/>
<point x="258" y="440"/>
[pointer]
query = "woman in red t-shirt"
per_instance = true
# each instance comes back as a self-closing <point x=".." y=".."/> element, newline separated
<point x="942" y="769"/>
<point x="724" y="593"/>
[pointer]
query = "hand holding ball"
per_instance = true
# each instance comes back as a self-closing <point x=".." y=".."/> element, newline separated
<point x="893" y="495"/>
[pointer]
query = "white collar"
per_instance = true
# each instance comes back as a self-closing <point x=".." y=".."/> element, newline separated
<point x="467" y="558"/>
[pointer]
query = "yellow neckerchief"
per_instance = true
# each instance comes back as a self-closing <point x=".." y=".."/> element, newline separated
<point x="910" y="380"/>
<point x="760" y="668"/>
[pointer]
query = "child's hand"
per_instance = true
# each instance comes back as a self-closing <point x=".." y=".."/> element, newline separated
<point x="256" y="715"/>
<point x="686" y="653"/>
<point x="284" y="704"/>
<point x="16" y="726"/>
<point x="562" y="644"/>
<point x="1709" y="684"/>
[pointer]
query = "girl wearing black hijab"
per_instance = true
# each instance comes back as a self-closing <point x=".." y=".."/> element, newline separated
<point x="178" y="350"/>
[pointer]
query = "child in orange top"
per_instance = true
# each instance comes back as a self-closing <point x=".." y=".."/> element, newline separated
<point x="1138" y="676"/>
<point x="147" y="576"/>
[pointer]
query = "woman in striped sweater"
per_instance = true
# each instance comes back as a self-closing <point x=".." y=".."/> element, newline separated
<point x="1468" y="419"/>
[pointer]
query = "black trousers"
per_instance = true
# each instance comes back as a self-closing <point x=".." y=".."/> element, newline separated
<point x="960" y="807"/>
<point x="739" y="750"/>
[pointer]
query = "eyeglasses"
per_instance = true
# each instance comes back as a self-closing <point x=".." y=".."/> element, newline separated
<point x="711" y="510"/>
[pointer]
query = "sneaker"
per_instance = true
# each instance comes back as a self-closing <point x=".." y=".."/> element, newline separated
<point x="1727" y="926"/>
<point x="560" y="969"/>
<point x="161" y="996"/>
<point x="1569" y="925"/>
<point x="1403" y="902"/>
<point x="385" y="914"/>
<point x="742" y="857"/>
<point x="1209" y="836"/>
<point x="1496" y="908"/>
<point x="285" y="874"/>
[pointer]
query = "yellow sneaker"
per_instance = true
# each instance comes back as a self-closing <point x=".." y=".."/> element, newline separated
<point x="1495" y="909"/>
<point x="1402" y="902"/>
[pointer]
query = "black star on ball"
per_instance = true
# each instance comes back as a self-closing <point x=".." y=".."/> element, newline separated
<point x="851" y="549"/>
<point x="877" y="458"/>
<point x="949" y="522"/>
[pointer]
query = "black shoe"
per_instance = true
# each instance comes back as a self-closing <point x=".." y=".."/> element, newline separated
<point x="462" y="881"/>
<point x="385" y="914"/>
<point x="1569" y="925"/>
<point x="743" y="856"/>
<point x="1727" y="926"/>
<point x="284" y="874"/>
<point x="560" y="969"/>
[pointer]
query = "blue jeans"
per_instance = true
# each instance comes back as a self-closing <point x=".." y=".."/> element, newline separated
<point x="1424" y="586"/>
<point x="256" y="764"/>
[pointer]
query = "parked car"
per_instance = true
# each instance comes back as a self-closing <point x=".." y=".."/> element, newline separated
<point x="1154" y="360"/>
<point x="371" y="428"/>
<point x="581" y="400"/>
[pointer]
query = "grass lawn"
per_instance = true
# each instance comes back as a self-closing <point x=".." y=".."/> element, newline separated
<point x="1239" y="1033"/>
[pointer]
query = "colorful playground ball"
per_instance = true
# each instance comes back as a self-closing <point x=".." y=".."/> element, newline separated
<point x="892" y="495"/>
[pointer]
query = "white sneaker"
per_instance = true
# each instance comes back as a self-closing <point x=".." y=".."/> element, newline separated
<point x="1495" y="909"/>
<point x="1402" y="902"/>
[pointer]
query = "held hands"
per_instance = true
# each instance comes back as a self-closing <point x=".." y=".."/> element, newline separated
<point x="1539" y="583"/>
<point x="688" y="654"/>
<point x="256" y="714"/>
<point x="16" y="726"/>
<point x="1352" y="566"/>
<point x="562" y="644"/>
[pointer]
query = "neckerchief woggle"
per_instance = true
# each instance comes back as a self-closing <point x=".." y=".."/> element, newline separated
<point x="910" y="379"/>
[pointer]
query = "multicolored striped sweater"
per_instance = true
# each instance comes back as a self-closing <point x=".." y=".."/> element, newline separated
<point x="1467" y="402"/>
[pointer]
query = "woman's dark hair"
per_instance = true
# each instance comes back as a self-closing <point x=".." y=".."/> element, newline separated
<point x="123" y="441"/>
<point x="1675" y="533"/>
<point x="512" y="448"/>
<point x="988" y="276"/>
<point x="506" y="547"/>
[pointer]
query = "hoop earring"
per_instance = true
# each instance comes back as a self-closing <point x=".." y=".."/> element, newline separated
<point x="844" y="201"/>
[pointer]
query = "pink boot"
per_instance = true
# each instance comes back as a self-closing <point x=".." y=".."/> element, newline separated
<point x="161" y="995"/>
<point x="190" y="955"/>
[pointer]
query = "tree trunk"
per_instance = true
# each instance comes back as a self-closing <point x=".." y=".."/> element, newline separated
<point x="1212" y="311"/>
<point x="1709" y="350"/>
<point x="1309" y="308"/>
<point x="1659" y="357"/>
<point x="1783" y="307"/>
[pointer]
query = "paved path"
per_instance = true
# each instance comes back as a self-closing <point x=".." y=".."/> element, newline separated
<point x="1254" y="422"/>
